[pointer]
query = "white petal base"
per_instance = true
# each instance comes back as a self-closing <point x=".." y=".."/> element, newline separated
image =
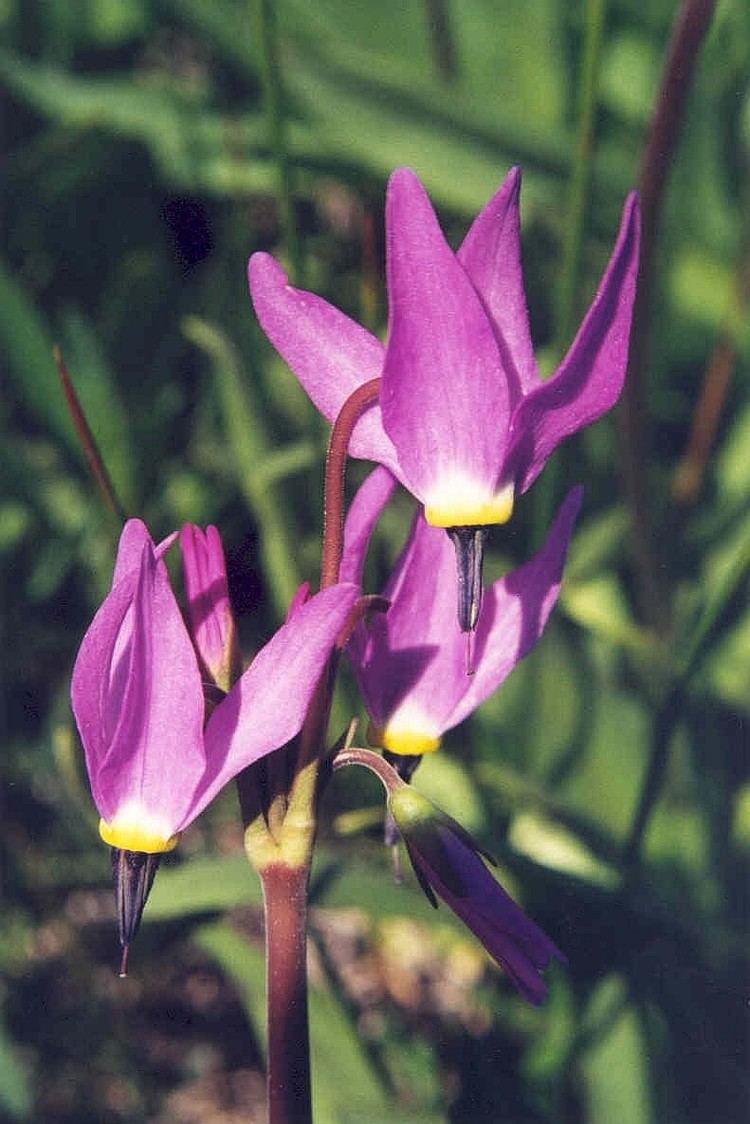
<point x="409" y="731"/>
<point x="134" y="828"/>
<point x="457" y="500"/>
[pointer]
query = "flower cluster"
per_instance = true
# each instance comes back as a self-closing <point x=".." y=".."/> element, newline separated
<point x="166" y="715"/>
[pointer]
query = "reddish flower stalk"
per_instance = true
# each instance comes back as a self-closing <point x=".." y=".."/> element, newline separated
<point x="288" y="1075"/>
<point x="285" y="881"/>
<point x="333" y="503"/>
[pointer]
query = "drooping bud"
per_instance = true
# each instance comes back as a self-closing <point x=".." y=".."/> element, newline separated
<point x="405" y="767"/>
<point x="448" y="862"/>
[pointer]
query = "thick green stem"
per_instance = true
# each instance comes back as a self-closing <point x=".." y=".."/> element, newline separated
<point x="288" y="1080"/>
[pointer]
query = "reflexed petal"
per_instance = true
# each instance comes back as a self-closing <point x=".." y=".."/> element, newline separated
<point x="590" y="377"/>
<point x="156" y="757"/>
<point x="267" y="705"/>
<point x="134" y="535"/>
<point x="514" y="613"/>
<point x="330" y="354"/>
<point x="138" y="700"/>
<point x="130" y="549"/>
<point x="443" y="379"/>
<point x="95" y="714"/>
<point x="410" y="663"/>
<point x="491" y="255"/>
<point x="364" y="512"/>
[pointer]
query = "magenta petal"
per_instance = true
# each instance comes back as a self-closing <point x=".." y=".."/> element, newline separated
<point x="301" y="597"/>
<point x="364" y="512"/>
<point x="589" y="379"/>
<point x="515" y="610"/>
<point x="415" y="654"/>
<point x="93" y="706"/>
<point x="134" y="535"/>
<point x="267" y="705"/>
<point x="445" y="397"/>
<point x="138" y="700"/>
<point x="491" y="255"/>
<point x="208" y="606"/>
<point x="130" y="549"/>
<point x="330" y="354"/>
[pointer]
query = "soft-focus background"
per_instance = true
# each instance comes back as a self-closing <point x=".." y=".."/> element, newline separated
<point x="140" y="172"/>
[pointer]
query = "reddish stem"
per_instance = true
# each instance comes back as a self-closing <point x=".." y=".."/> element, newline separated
<point x="333" y="503"/>
<point x="288" y="1079"/>
<point x="284" y="887"/>
<point x="86" y="439"/>
<point x="689" y="31"/>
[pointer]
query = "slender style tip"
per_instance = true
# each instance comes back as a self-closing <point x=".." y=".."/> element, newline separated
<point x="396" y="859"/>
<point x="469" y="544"/>
<point x="124" y="962"/>
<point x="469" y="653"/>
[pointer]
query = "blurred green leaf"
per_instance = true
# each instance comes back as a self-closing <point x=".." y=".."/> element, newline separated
<point x="615" y="1069"/>
<point x="203" y="885"/>
<point x="599" y="604"/>
<point x="15" y="1095"/>
<point x="249" y="446"/>
<point x="335" y="1045"/>
<point x="554" y="846"/>
<point x="596" y="544"/>
<point x="446" y="782"/>
<point x="26" y="348"/>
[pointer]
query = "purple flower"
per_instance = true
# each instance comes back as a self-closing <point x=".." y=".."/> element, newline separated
<point x="138" y="700"/>
<point x="209" y="610"/>
<point x="410" y="662"/>
<point x="447" y="862"/>
<point x="463" y="420"/>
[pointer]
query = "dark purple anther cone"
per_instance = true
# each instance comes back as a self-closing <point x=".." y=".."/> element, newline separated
<point x="133" y="874"/>
<point x="469" y="545"/>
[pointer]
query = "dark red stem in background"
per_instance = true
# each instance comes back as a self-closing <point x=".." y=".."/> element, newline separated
<point x="86" y="439"/>
<point x="690" y="28"/>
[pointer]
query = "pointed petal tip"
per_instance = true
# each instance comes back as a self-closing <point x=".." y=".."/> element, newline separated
<point x="402" y="174"/>
<point x="263" y="271"/>
<point x="513" y="179"/>
<point x="405" y="190"/>
<point x="571" y="505"/>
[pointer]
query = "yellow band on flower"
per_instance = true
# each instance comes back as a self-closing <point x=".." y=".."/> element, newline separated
<point x="408" y="743"/>
<point x="457" y="504"/>
<point x="134" y="832"/>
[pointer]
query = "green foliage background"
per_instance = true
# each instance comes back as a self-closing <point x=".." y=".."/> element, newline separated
<point x="139" y="176"/>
